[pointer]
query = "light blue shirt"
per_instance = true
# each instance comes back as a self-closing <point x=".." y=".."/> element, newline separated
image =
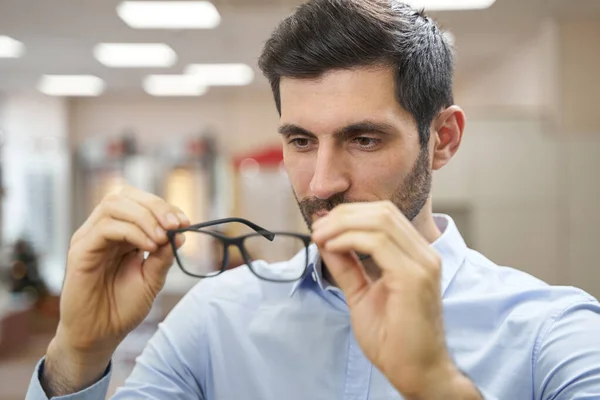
<point x="235" y="337"/>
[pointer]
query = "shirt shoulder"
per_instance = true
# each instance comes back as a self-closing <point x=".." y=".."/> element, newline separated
<point x="480" y="277"/>
<point x="502" y="325"/>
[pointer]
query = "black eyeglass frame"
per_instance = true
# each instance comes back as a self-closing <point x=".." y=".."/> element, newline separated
<point x="239" y="242"/>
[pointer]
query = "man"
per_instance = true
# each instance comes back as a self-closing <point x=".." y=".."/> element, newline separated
<point x="364" y="90"/>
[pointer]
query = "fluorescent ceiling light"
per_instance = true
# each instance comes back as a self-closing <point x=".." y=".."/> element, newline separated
<point x="11" y="48"/>
<point x="71" y="85"/>
<point x="169" y="14"/>
<point x="448" y="5"/>
<point x="173" y="85"/>
<point x="135" y="55"/>
<point x="221" y="74"/>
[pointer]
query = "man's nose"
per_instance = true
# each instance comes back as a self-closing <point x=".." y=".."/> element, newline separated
<point x="330" y="176"/>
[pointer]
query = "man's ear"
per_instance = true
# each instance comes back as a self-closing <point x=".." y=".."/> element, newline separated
<point x="447" y="132"/>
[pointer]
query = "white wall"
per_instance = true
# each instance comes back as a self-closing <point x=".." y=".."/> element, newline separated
<point x="581" y="161"/>
<point x="522" y="82"/>
<point x="529" y="163"/>
<point x="580" y="79"/>
<point x="508" y="173"/>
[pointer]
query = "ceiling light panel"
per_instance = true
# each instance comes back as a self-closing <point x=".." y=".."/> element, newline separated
<point x="449" y="5"/>
<point x="221" y="74"/>
<point x="71" y="85"/>
<point x="169" y="14"/>
<point x="11" y="48"/>
<point x="135" y="55"/>
<point x="173" y="85"/>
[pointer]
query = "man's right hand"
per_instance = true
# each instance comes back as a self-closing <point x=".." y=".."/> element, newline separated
<point x="109" y="287"/>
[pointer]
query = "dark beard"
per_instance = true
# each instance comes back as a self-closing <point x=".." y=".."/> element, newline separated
<point x="410" y="197"/>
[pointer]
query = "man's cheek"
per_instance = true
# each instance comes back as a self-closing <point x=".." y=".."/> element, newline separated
<point x="300" y="179"/>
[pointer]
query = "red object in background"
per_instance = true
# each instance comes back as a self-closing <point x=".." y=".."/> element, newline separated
<point x="115" y="148"/>
<point x="267" y="157"/>
<point x="197" y="147"/>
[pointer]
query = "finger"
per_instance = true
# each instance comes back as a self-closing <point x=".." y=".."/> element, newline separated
<point x="89" y="223"/>
<point x="377" y="217"/>
<point x="125" y="209"/>
<point x="158" y="263"/>
<point x="143" y="198"/>
<point x="109" y="231"/>
<point x="135" y="254"/>
<point x="348" y="273"/>
<point x="387" y="256"/>
<point x="170" y="217"/>
<point x="357" y="216"/>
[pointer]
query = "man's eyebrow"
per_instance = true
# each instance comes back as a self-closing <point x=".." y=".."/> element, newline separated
<point x="366" y="126"/>
<point x="291" y="129"/>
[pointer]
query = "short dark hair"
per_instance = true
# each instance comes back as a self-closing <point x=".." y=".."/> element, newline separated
<point x="323" y="35"/>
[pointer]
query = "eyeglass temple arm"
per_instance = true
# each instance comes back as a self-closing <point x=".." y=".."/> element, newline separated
<point x="258" y="229"/>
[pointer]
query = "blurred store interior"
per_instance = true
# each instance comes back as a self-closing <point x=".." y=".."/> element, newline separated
<point x="523" y="188"/>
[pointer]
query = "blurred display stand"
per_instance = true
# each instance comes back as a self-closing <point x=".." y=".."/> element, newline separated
<point x="194" y="176"/>
<point x="36" y="207"/>
<point x="187" y="174"/>
<point x="2" y="140"/>
<point x="264" y="192"/>
<point x="103" y="164"/>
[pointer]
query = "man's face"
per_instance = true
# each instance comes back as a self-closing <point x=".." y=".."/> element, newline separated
<point x="346" y="139"/>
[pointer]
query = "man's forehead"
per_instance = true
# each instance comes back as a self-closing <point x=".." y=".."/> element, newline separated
<point x="340" y="99"/>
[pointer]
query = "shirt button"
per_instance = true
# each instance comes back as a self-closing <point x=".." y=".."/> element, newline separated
<point x="314" y="276"/>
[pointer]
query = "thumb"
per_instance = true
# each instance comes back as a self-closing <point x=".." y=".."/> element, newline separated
<point x="157" y="265"/>
<point x="348" y="273"/>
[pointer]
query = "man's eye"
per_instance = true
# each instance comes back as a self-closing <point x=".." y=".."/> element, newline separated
<point x="300" y="143"/>
<point x="367" y="142"/>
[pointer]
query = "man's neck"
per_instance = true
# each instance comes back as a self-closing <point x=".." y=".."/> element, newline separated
<point x="425" y="224"/>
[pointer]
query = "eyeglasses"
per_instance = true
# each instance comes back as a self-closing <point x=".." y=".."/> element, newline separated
<point x="206" y="253"/>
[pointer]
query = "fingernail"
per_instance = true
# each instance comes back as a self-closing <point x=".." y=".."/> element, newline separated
<point x="172" y="220"/>
<point x="160" y="232"/>
<point x="151" y="244"/>
<point x="183" y="218"/>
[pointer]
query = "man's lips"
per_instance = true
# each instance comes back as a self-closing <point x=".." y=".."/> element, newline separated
<point x="321" y="213"/>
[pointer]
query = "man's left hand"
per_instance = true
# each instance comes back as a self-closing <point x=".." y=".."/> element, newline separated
<point x="397" y="319"/>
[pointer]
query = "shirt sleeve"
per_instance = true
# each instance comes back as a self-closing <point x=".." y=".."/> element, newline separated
<point x="568" y="362"/>
<point x="168" y="368"/>
<point x="95" y="392"/>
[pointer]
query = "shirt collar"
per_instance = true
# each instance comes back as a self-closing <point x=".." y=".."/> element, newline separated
<point x="450" y="246"/>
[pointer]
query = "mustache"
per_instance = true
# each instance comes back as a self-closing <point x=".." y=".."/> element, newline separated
<point x="311" y="205"/>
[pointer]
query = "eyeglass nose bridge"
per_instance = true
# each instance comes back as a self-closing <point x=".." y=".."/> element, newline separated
<point x="247" y="258"/>
<point x="226" y="257"/>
